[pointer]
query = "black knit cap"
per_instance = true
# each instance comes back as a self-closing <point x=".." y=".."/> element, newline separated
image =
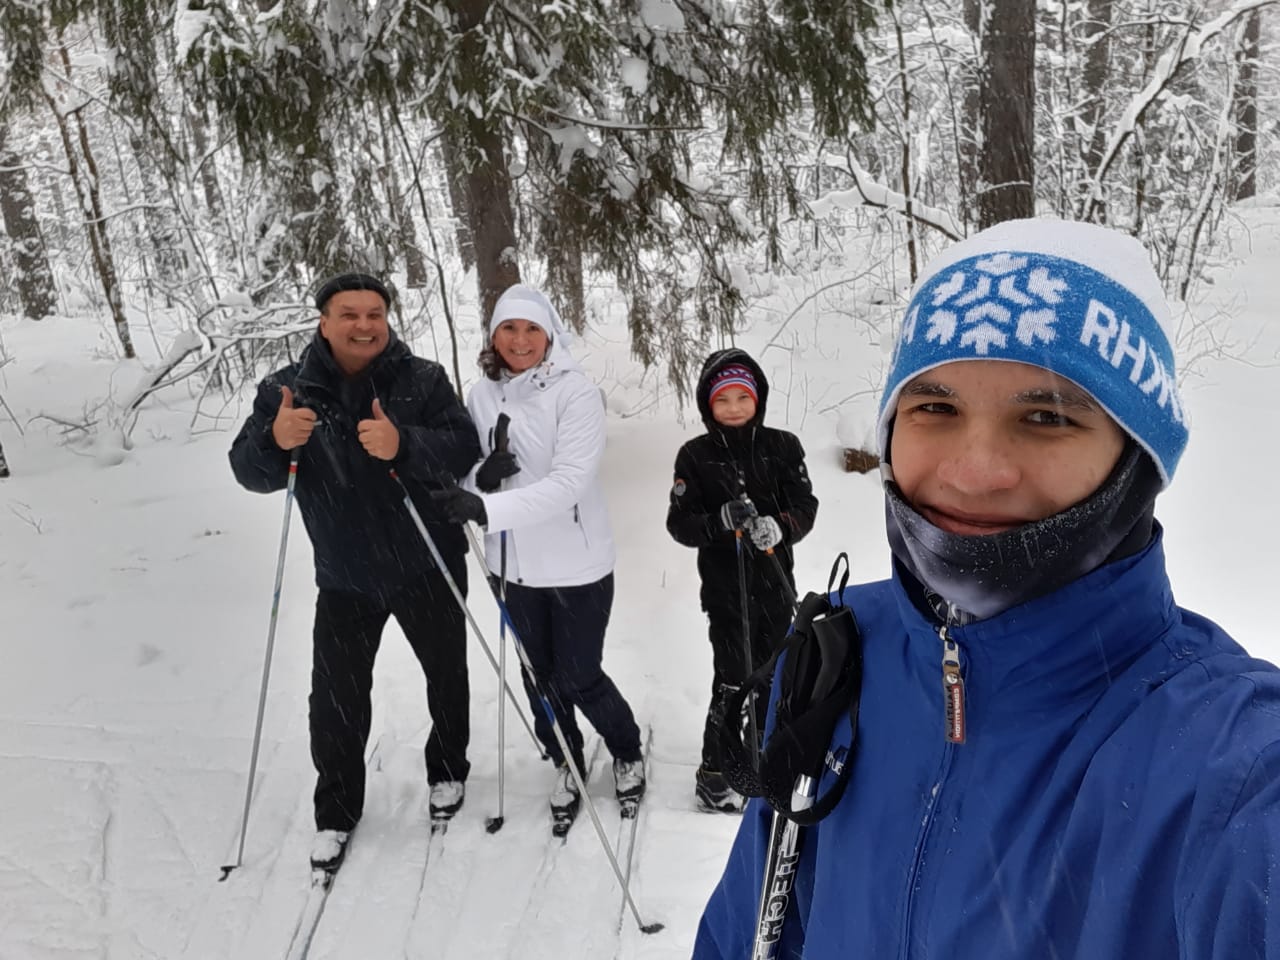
<point x="351" y="281"/>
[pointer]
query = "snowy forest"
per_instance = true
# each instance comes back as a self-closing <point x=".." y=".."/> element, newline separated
<point x="177" y="177"/>
<point x="211" y="160"/>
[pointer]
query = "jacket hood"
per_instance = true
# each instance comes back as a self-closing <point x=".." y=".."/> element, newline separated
<point x="712" y="365"/>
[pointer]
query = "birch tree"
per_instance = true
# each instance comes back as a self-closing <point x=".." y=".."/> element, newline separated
<point x="33" y="277"/>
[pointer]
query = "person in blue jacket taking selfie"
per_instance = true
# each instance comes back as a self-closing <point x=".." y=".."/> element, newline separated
<point x="1051" y="758"/>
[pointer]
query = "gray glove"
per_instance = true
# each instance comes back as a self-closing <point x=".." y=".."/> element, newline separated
<point x="765" y="532"/>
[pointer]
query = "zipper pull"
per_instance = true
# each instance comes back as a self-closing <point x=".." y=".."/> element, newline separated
<point x="952" y="688"/>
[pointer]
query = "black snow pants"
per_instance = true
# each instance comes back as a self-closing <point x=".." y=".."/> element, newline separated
<point x="348" y="630"/>
<point x="562" y="629"/>
<point x="768" y="624"/>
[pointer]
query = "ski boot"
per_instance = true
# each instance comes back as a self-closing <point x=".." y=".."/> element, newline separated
<point x="714" y="793"/>
<point x="629" y="783"/>
<point x="446" y="800"/>
<point x="328" y="851"/>
<point x="566" y="801"/>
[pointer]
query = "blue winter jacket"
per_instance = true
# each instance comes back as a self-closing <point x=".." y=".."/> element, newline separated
<point x="1117" y="796"/>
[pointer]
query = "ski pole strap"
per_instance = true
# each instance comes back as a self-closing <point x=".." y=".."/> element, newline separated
<point x="820" y="680"/>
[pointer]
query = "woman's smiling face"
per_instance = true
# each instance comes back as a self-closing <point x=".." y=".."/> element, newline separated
<point x="520" y="343"/>
<point x="981" y="446"/>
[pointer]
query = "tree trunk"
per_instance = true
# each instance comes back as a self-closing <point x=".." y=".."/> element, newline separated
<point x="415" y="264"/>
<point x="162" y="232"/>
<point x="1007" y="99"/>
<point x="456" y="179"/>
<point x="1244" y="180"/>
<point x="34" y="278"/>
<point x="492" y="219"/>
<point x="908" y="187"/>
<point x="59" y="231"/>
<point x="197" y="116"/>
<point x="1097" y="38"/>
<point x="970" y="119"/>
<point x="1139" y="151"/>
<point x="490" y="213"/>
<point x="87" y="183"/>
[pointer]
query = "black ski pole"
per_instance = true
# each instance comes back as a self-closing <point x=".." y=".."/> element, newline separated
<point x="782" y="579"/>
<point x="266" y="665"/>
<point x="462" y="603"/>
<point x="747" y="662"/>
<point x="777" y="564"/>
<point x="494" y="824"/>
<point x="577" y="774"/>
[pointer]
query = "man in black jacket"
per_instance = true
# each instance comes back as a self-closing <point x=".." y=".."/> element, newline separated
<point x="356" y="405"/>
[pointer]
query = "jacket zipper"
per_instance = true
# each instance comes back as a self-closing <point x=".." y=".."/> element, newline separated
<point x="577" y="518"/>
<point x="954" y="711"/>
<point x="952" y="687"/>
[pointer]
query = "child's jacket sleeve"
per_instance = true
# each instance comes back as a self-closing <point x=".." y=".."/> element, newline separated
<point x="797" y="506"/>
<point x="687" y="518"/>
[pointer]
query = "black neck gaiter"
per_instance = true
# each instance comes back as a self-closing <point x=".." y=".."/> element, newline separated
<point x="986" y="575"/>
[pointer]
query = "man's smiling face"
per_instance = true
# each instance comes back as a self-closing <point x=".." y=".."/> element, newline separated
<point x="981" y="446"/>
<point x="355" y="324"/>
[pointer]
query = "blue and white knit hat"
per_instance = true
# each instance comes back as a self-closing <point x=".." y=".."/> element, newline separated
<point x="1078" y="299"/>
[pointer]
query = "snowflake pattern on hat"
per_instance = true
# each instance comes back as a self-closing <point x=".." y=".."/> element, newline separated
<point x="993" y="302"/>
<point x="1054" y="313"/>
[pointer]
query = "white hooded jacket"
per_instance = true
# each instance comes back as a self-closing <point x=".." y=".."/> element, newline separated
<point x="553" y="511"/>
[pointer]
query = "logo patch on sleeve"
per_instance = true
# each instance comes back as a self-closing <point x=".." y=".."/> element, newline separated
<point x="678" y="488"/>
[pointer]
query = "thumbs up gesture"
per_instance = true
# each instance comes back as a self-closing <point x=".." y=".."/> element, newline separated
<point x="379" y="436"/>
<point x="293" y="425"/>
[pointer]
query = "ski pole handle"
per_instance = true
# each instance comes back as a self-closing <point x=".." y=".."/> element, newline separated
<point x="500" y="431"/>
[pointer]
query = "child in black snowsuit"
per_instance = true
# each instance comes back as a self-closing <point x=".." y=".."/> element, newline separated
<point x="739" y="475"/>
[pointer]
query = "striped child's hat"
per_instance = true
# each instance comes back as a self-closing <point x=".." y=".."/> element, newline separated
<point x="733" y="375"/>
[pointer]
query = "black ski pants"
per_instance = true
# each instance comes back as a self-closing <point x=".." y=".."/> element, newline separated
<point x="348" y="630"/>
<point x="562" y="629"/>
<point x="768" y="624"/>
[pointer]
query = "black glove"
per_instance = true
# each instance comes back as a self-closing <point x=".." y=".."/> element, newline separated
<point x="497" y="467"/>
<point x="735" y="513"/>
<point x="459" y="506"/>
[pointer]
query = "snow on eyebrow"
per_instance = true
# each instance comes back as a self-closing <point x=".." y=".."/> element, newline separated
<point x="927" y="388"/>
<point x="1057" y="397"/>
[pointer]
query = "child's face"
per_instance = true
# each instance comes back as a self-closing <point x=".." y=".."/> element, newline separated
<point x="733" y="407"/>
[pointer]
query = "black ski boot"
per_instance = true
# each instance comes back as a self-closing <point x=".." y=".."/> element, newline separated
<point x="714" y="793"/>
<point x="629" y="784"/>
<point x="446" y="800"/>
<point x="328" y="850"/>
<point x="566" y="801"/>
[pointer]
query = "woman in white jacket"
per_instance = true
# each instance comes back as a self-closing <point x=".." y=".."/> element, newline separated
<point x="543" y="495"/>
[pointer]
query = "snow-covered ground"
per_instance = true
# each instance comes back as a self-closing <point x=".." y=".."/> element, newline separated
<point x="134" y="595"/>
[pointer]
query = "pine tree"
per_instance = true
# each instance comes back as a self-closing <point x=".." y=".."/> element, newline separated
<point x="603" y="109"/>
